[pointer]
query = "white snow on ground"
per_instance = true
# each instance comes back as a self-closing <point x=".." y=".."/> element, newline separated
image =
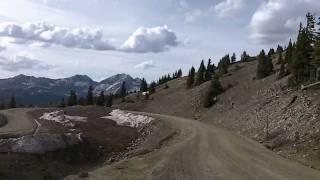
<point x="123" y="118"/>
<point x="61" y="118"/>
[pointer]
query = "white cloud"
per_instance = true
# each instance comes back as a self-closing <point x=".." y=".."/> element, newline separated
<point x="144" y="40"/>
<point x="275" y="21"/>
<point x="23" y="63"/>
<point x="146" y="65"/>
<point x="49" y="34"/>
<point x="228" y="7"/>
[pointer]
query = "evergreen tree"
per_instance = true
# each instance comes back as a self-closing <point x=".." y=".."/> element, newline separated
<point x="300" y="65"/>
<point x="262" y="69"/>
<point x="123" y="91"/>
<point x="200" y="74"/>
<point x="72" y="101"/>
<point x="109" y="100"/>
<point x="279" y="49"/>
<point x="144" y="84"/>
<point x="316" y="57"/>
<point x="190" y="80"/>
<point x="271" y="52"/>
<point x="209" y="71"/>
<point x="244" y="56"/>
<point x="233" y="58"/>
<point x="311" y="37"/>
<point x="289" y="51"/>
<point x="152" y="88"/>
<point x="179" y="73"/>
<point x="270" y="65"/>
<point x="90" y="100"/>
<point x="214" y="90"/>
<point x="12" y="103"/>
<point x="223" y="64"/>
<point x="101" y="99"/>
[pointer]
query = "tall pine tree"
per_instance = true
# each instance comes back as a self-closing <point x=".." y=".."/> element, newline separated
<point x="263" y="69"/>
<point x="244" y="56"/>
<point x="289" y="51"/>
<point x="300" y="66"/>
<point x="223" y="64"/>
<point x="233" y="58"/>
<point x="144" y="84"/>
<point x="179" y="73"/>
<point x="316" y="56"/>
<point x="209" y="71"/>
<point x="152" y="88"/>
<point x="90" y="100"/>
<point x="200" y="74"/>
<point x="191" y="76"/>
<point x="279" y="49"/>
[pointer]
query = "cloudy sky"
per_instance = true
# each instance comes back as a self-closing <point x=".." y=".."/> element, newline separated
<point x="144" y="38"/>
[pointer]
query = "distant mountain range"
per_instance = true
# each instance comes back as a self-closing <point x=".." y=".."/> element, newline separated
<point x="40" y="91"/>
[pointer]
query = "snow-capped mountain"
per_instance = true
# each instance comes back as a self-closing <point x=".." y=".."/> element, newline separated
<point x="41" y="91"/>
<point x="112" y="85"/>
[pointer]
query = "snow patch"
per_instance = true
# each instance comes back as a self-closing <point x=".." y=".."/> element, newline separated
<point x="123" y="118"/>
<point x="61" y="118"/>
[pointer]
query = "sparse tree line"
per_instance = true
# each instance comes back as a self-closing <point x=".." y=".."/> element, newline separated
<point x="151" y="88"/>
<point x="165" y="78"/>
<point x="301" y="58"/>
<point x="101" y="100"/>
<point x="210" y="73"/>
<point x="207" y="73"/>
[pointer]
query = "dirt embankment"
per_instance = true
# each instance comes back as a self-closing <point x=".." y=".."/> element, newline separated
<point x="102" y="139"/>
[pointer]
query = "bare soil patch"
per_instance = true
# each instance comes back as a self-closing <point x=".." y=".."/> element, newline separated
<point x="102" y="139"/>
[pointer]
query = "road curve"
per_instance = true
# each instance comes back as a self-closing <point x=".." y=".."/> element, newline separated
<point x="200" y="152"/>
<point x="19" y="123"/>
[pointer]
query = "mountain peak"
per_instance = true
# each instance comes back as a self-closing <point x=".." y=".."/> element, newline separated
<point x="21" y="76"/>
<point x="79" y="77"/>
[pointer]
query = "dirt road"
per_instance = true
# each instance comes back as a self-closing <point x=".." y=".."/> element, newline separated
<point x="19" y="123"/>
<point x="201" y="151"/>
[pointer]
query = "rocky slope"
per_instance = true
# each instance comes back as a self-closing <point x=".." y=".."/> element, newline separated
<point x="285" y="120"/>
<point x="41" y="91"/>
